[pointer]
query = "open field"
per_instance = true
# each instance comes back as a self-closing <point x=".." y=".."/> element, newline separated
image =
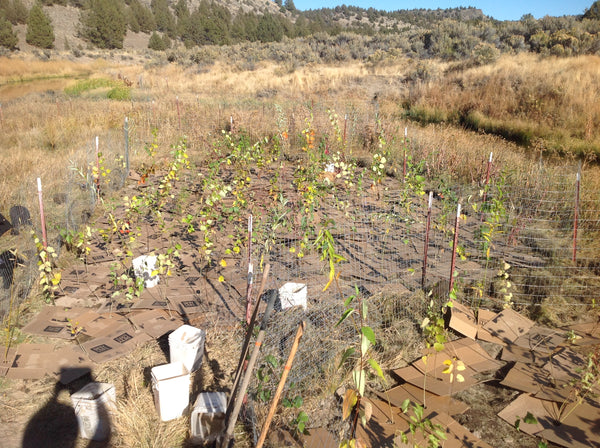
<point x="336" y="172"/>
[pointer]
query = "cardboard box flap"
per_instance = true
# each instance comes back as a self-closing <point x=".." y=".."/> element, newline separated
<point x="483" y="316"/>
<point x="32" y="361"/>
<point x="462" y="320"/>
<point x="508" y="325"/>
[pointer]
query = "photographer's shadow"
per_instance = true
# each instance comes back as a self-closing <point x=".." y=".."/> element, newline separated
<point x="55" y="425"/>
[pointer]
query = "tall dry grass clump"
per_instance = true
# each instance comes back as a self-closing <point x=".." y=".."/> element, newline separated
<point x="550" y="102"/>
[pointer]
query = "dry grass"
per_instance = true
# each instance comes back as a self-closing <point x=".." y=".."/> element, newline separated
<point x="524" y="97"/>
<point x="43" y="134"/>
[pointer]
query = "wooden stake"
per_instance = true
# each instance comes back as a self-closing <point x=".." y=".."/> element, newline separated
<point x="284" y="375"/>
<point x="426" y="245"/>
<point x="454" y="248"/>
<point x="42" y="218"/>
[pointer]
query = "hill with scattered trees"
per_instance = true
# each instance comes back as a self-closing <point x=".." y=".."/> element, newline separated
<point x="450" y="34"/>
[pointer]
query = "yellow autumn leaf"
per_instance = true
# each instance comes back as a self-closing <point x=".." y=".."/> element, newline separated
<point x="460" y="378"/>
<point x="221" y="279"/>
<point x="223" y="263"/>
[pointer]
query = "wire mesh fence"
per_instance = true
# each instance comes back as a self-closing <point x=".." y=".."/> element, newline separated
<point x="544" y="224"/>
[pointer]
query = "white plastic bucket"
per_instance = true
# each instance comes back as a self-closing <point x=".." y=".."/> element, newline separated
<point x="93" y="406"/>
<point x="143" y="267"/>
<point x="208" y="416"/>
<point x="186" y="344"/>
<point x="171" y="388"/>
<point x="293" y="294"/>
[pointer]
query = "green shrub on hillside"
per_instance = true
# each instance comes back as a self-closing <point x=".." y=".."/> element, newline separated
<point x="40" y="32"/>
<point x="8" y="38"/>
<point x="105" y="24"/>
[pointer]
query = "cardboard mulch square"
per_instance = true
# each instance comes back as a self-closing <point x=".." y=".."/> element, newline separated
<point x="545" y="412"/>
<point x="462" y="320"/>
<point x="508" y="325"/>
<point x="415" y="394"/>
<point x="514" y="353"/>
<point x="527" y="378"/>
<point x="541" y="339"/>
<point x="117" y="343"/>
<point x="54" y="322"/>
<point x="156" y="323"/>
<point x="34" y="361"/>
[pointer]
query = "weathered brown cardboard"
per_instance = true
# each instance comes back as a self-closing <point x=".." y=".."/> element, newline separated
<point x="319" y="438"/>
<point x="32" y="361"/>
<point x="514" y="353"/>
<point x="186" y="305"/>
<point x="153" y="303"/>
<point x="581" y="428"/>
<point x="545" y="413"/>
<point x="71" y="363"/>
<point x="7" y="357"/>
<point x="156" y="323"/>
<point x="115" y="344"/>
<point x="114" y="306"/>
<point x="466" y="350"/>
<point x="439" y="385"/>
<point x="94" y="324"/>
<point x="541" y="339"/>
<point x="508" y="325"/>
<point x="483" y="316"/>
<point x="565" y="365"/>
<point x="527" y="378"/>
<point x="462" y="319"/>
<point x="54" y="322"/>
<point x="415" y="394"/>
<point x="385" y="423"/>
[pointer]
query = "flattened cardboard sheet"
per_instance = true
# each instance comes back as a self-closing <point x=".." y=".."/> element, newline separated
<point x="508" y="325"/>
<point x="118" y="343"/>
<point x="34" y="361"/>
<point x="54" y="322"/>
<point x="483" y="317"/>
<point x="153" y="303"/>
<point x="319" y="438"/>
<point x="581" y="428"/>
<point x="439" y="386"/>
<point x="398" y="394"/>
<point x="115" y="306"/>
<point x="156" y="323"/>
<point x="94" y="324"/>
<point x="386" y="422"/>
<point x="467" y="350"/>
<point x="541" y="339"/>
<point x="544" y="411"/>
<point x="6" y="359"/>
<point x="186" y="305"/>
<point x="514" y="353"/>
<point x="565" y="365"/>
<point x="462" y="319"/>
<point x="527" y="378"/>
